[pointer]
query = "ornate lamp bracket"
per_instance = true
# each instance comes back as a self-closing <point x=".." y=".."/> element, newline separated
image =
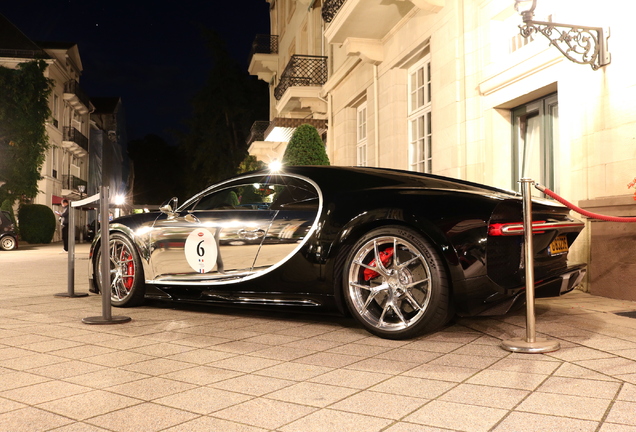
<point x="580" y="44"/>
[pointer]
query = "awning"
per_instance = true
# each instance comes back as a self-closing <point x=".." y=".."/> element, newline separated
<point x="56" y="200"/>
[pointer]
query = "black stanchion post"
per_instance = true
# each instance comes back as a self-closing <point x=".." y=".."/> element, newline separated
<point x="531" y="344"/>
<point x="71" y="257"/>
<point x="104" y="264"/>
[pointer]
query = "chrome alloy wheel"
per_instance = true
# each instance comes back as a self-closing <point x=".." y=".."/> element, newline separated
<point x="389" y="283"/>
<point x="122" y="269"/>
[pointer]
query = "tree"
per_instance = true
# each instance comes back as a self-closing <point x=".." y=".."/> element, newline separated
<point x="250" y="163"/>
<point x="223" y="112"/>
<point x="24" y="109"/>
<point x="157" y="170"/>
<point x="305" y="148"/>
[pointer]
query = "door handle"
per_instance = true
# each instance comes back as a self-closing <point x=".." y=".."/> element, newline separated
<point x="251" y="235"/>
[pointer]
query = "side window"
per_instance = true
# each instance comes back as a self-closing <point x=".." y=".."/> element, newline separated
<point x="226" y="199"/>
<point x="257" y="196"/>
<point x="276" y="193"/>
<point x="254" y="196"/>
<point x="293" y="197"/>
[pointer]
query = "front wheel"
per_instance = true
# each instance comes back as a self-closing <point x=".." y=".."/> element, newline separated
<point x="395" y="284"/>
<point x="8" y="243"/>
<point x="127" y="286"/>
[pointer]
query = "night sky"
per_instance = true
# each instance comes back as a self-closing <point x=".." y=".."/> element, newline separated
<point x="150" y="53"/>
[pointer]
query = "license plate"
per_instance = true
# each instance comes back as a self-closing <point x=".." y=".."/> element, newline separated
<point x="559" y="246"/>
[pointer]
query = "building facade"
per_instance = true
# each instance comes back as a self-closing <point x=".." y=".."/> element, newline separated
<point x="109" y="147"/>
<point x="450" y="87"/>
<point x="65" y="169"/>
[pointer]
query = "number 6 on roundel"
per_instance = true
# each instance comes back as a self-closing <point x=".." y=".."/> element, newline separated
<point x="200" y="250"/>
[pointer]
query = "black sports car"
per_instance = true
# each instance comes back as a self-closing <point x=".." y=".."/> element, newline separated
<point x="401" y="251"/>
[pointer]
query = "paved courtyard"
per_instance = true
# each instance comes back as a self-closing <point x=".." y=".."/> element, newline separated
<point x="192" y="369"/>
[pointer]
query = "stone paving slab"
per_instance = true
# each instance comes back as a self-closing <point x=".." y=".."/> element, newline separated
<point x="176" y="368"/>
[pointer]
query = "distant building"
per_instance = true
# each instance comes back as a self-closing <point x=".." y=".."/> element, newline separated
<point x="65" y="170"/>
<point x="108" y="138"/>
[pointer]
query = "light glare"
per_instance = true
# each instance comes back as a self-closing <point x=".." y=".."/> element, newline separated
<point x="275" y="166"/>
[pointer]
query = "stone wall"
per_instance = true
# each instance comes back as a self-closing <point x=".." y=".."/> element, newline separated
<point x="612" y="266"/>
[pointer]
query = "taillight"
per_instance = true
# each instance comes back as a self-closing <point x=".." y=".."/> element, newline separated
<point x="538" y="227"/>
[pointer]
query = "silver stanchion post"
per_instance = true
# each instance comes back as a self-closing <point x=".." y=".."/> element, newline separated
<point x="105" y="282"/>
<point x="531" y="344"/>
<point x="71" y="257"/>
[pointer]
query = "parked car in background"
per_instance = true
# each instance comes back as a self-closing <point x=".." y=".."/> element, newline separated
<point x="402" y="252"/>
<point x="8" y="237"/>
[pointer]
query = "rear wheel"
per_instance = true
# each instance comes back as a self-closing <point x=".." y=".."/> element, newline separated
<point x="126" y="273"/>
<point x="8" y="243"/>
<point x="395" y="284"/>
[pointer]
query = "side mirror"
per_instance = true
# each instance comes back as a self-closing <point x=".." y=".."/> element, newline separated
<point x="169" y="207"/>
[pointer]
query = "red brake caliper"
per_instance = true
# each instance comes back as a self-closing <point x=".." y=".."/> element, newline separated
<point x="130" y="270"/>
<point x="385" y="257"/>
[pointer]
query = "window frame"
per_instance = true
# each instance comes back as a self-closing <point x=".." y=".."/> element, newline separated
<point x="545" y="111"/>
<point x="54" y="161"/>
<point x="361" y="134"/>
<point x="419" y="119"/>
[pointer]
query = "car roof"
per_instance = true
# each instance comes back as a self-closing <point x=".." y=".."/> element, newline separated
<point x="370" y="177"/>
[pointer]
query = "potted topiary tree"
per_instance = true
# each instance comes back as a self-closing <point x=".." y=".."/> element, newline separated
<point x="37" y="223"/>
<point x="305" y="148"/>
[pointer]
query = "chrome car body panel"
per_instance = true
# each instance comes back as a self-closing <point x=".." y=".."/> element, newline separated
<point x="250" y="241"/>
<point x="168" y="239"/>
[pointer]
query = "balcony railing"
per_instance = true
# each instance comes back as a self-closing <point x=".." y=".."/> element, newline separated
<point x="264" y="44"/>
<point x="73" y="135"/>
<point x="71" y="182"/>
<point x="18" y="53"/>
<point x="330" y="8"/>
<point x="73" y="87"/>
<point x="257" y="131"/>
<point x="302" y="70"/>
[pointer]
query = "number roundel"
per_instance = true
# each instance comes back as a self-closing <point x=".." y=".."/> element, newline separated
<point x="200" y="250"/>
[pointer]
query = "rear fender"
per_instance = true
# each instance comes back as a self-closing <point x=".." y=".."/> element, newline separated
<point x="368" y="221"/>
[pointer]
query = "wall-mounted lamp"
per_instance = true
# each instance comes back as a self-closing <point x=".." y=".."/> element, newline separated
<point x="580" y="44"/>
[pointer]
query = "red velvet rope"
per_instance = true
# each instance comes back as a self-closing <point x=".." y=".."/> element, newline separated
<point x="547" y="191"/>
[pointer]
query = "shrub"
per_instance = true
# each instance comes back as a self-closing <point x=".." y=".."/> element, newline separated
<point x="37" y="223"/>
<point x="305" y="148"/>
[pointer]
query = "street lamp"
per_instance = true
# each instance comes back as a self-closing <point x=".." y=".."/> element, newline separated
<point x="580" y="44"/>
<point x="81" y="189"/>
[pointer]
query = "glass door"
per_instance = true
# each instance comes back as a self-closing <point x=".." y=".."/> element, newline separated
<point x="535" y="140"/>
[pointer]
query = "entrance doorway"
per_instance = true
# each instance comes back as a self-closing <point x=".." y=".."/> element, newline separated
<point x="535" y="140"/>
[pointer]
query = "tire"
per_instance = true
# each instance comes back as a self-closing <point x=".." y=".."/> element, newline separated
<point x="8" y="243"/>
<point x="407" y="294"/>
<point x="127" y="284"/>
